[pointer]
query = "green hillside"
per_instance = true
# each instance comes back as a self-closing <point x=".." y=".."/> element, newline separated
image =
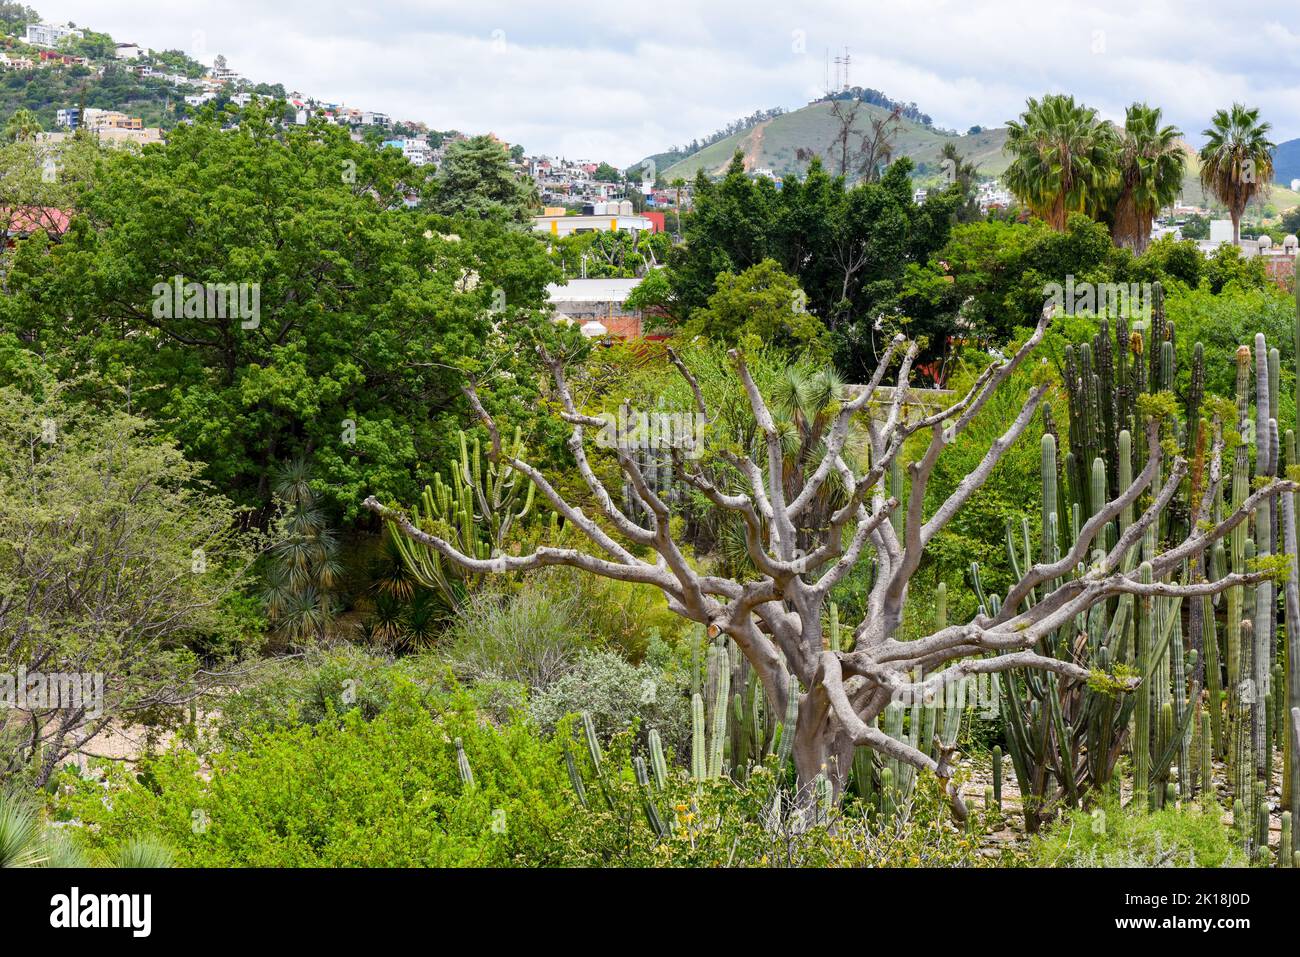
<point x="773" y="144"/>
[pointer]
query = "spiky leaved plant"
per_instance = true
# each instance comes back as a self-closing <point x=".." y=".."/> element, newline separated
<point x="303" y="569"/>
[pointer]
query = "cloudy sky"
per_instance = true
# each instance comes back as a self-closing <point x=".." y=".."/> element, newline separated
<point x="616" y="80"/>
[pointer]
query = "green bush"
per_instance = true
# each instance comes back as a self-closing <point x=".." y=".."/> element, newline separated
<point x="351" y="793"/>
<point x="323" y="683"/>
<point x="1112" y="836"/>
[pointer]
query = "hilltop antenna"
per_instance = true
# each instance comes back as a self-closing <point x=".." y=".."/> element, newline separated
<point x="842" y="64"/>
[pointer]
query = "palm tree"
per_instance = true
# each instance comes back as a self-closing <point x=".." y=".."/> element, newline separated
<point x="1064" y="158"/>
<point x="1150" y="169"/>
<point x="963" y="177"/>
<point x="678" y="185"/>
<point x="22" y="126"/>
<point x="1236" y="160"/>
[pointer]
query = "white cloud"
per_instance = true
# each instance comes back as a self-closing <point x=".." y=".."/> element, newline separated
<point x="618" y="80"/>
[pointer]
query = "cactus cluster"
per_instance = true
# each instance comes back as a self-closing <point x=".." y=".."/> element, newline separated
<point x="475" y="510"/>
<point x="733" y="726"/>
<point x="1217" y="684"/>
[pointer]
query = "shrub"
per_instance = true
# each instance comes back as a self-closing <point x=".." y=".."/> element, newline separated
<point x="619" y="696"/>
<point x="727" y="824"/>
<point x="621" y="615"/>
<point x="352" y="793"/>
<point x="1112" y="836"/>
<point x="287" y="692"/>
<point x="531" y="637"/>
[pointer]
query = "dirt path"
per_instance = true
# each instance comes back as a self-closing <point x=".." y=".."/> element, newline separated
<point x="752" y="148"/>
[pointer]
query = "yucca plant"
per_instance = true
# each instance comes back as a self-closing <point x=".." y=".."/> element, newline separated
<point x="303" y="570"/>
<point x="21" y="843"/>
<point x="144" y="852"/>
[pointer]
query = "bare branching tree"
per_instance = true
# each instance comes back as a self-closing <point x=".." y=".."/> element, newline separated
<point x="775" y="616"/>
<point x="877" y="148"/>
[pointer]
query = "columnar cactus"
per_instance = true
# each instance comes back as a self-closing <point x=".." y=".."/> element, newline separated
<point x="462" y="766"/>
<point x="699" y="761"/>
<point x="1142" y="718"/>
<point x="475" y="510"/>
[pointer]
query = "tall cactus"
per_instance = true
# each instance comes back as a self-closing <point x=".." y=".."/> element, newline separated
<point x="475" y="511"/>
<point x="1142" y="717"/>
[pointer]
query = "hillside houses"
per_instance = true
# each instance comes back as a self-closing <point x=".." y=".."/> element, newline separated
<point x="96" y="119"/>
<point x="49" y="34"/>
<point x="416" y="149"/>
<point x="563" y="182"/>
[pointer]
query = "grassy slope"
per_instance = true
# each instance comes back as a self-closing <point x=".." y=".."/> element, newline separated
<point x="773" y="144"/>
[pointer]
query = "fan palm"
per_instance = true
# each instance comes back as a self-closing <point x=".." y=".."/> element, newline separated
<point x="1150" y="169"/>
<point x="1236" y="160"/>
<point x="1064" y="158"/>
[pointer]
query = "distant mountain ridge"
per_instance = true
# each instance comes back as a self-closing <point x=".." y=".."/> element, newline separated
<point x="1286" y="162"/>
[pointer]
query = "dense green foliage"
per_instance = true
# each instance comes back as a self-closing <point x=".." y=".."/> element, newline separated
<point x="1108" y="836"/>
<point x="365" y="310"/>
<point x="848" y="249"/>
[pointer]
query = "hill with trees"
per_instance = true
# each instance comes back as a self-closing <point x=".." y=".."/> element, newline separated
<point x="784" y="142"/>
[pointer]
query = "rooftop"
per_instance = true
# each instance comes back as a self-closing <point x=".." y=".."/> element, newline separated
<point x="591" y="290"/>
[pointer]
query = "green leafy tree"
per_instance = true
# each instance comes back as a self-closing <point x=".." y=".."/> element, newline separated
<point x="1196" y="227"/>
<point x="761" y="305"/>
<point x="366" y="315"/>
<point x="22" y="126"/>
<point x="1236" y="160"/>
<point x="849" y="249"/>
<point x="41" y="182"/>
<point x="477" y="181"/>
<point x="116" y="561"/>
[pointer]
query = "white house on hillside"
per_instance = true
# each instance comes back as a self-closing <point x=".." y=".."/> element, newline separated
<point x="49" y="35"/>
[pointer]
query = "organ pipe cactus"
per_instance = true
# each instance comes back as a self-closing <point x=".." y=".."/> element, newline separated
<point x="475" y="511"/>
<point x="1141" y="745"/>
<point x="657" y="763"/>
<point x="648" y="805"/>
